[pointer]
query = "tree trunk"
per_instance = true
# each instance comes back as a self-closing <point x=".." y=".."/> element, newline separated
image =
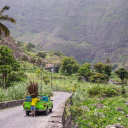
<point x="5" y="81"/>
<point x="122" y="81"/>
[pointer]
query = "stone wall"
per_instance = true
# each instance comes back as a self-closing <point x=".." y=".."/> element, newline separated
<point x="67" y="115"/>
<point x="9" y="104"/>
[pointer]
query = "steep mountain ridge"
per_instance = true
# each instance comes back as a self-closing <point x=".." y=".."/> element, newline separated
<point x="89" y="30"/>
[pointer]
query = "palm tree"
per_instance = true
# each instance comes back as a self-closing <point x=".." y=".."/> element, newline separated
<point x="5" y="18"/>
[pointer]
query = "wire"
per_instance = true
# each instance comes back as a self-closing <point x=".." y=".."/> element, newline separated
<point x="82" y="122"/>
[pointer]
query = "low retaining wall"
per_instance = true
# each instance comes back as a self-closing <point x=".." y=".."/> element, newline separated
<point x="58" y="119"/>
<point x="9" y="104"/>
<point x="67" y="115"/>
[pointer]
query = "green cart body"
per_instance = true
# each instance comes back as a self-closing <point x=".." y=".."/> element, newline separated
<point x="43" y="105"/>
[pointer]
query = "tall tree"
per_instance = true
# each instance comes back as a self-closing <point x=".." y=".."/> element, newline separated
<point x="99" y="67"/>
<point x="85" y="71"/>
<point x="108" y="69"/>
<point x="5" y="18"/>
<point x="122" y="73"/>
<point x="7" y="63"/>
<point x="69" y="65"/>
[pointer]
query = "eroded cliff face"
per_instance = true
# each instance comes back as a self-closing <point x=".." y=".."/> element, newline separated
<point x="86" y="29"/>
<point x="10" y="43"/>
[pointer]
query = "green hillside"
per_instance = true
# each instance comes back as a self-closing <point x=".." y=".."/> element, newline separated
<point x="89" y="30"/>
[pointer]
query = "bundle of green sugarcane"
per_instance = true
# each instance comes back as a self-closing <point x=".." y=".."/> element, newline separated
<point x="33" y="89"/>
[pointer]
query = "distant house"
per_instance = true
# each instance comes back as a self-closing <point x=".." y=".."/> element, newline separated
<point x="49" y="65"/>
<point x="51" y="68"/>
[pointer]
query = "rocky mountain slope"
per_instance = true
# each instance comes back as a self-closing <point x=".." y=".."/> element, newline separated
<point x="89" y="30"/>
<point x="10" y="43"/>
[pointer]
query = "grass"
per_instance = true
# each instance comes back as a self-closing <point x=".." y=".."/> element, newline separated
<point x="18" y="91"/>
<point x="28" y="67"/>
<point x="87" y="94"/>
<point x="84" y="109"/>
<point x="32" y="54"/>
<point x="101" y="117"/>
<point x="51" y="59"/>
<point x="54" y="60"/>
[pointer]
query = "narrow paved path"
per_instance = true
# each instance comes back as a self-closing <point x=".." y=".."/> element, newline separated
<point x="16" y="117"/>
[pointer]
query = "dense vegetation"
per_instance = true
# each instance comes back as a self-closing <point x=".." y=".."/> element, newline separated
<point x="95" y="102"/>
<point x="7" y="64"/>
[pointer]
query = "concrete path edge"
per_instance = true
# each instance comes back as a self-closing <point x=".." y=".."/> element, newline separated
<point x="57" y="119"/>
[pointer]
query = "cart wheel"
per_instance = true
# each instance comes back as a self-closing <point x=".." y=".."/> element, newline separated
<point x="27" y="113"/>
<point x="51" y="109"/>
<point x="46" y="112"/>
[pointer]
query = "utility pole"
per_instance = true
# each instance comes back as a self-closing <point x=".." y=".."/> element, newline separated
<point x="51" y="75"/>
<point x="41" y="80"/>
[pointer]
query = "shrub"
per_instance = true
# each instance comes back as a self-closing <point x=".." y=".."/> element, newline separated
<point x="76" y="111"/>
<point x="41" y="54"/>
<point x="94" y="90"/>
<point x="102" y="90"/>
<point x="97" y="78"/>
<point x="46" y="79"/>
<point x="79" y="96"/>
<point x="33" y="60"/>
<point x="110" y="92"/>
<point x="24" y="58"/>
<point x="58" y="53"/>
<point x="57" y="77"/>
<point x="29" y="46"/>
<point x="79" y="78"/>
